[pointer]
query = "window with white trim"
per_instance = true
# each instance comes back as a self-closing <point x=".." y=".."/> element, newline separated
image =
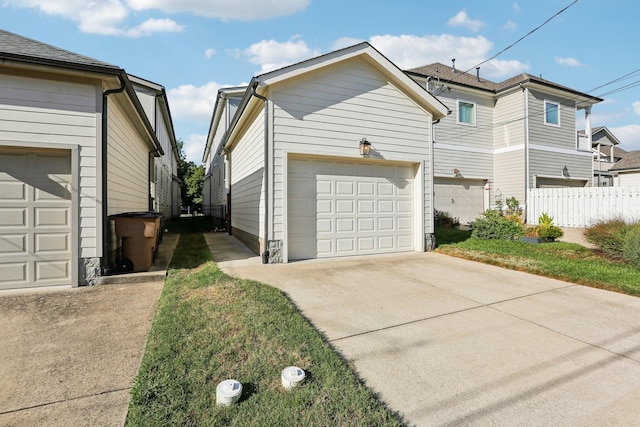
<point x="551" y="113"/>
<point x="466" y="112"/>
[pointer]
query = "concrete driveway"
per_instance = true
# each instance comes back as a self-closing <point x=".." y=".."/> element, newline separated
<point x="68" y="357"/>
<point x="452" y="342"/>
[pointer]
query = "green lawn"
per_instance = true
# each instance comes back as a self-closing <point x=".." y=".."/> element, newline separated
<point x="565" y="261"/>
<point x="210" y="327"/>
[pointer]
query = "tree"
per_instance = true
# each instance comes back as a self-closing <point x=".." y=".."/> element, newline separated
<point x="191" y="177"/>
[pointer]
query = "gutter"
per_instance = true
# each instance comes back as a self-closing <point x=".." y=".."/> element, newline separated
<point x="106" y="242"/>
<point x="265" y="254"/>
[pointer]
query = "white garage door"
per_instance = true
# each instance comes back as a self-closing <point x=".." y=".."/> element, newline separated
<point x="35" y="218"/>
<point x="342" y="209"/>
<point x="462" y="198"/>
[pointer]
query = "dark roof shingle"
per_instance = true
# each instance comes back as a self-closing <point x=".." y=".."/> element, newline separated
<point x="631" y="160"/>
<point x="19" y="48"/>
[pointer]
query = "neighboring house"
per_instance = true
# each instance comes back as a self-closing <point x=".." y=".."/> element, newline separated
<point x="605" y="154"/>
<point x="165" y="184"/>
<point x="300" y="182"/>
<point x="503" y="138"/>
<point x="215" y="189"/>
<point x="627" y="170"/>
<point x="76" y="146"/>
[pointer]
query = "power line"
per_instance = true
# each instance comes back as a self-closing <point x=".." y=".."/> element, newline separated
<point x="525" y="36"/>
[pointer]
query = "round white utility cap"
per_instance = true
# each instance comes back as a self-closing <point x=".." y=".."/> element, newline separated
<point x="228" y="392"/>
<point x="292" y="376"/>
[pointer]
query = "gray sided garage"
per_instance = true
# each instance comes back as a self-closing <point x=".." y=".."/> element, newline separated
<point x="35" y="218"/>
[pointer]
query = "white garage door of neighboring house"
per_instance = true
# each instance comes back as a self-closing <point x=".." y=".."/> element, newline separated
<point x="342" y="209"/>
<point x="462" y="198"/>
<point x="542" y="182"/>
<point x="35" y="218"/>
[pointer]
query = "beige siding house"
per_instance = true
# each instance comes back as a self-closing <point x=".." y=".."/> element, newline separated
<point x="503" y="138"/>
<point x="75" y="147"/>
<point x="332" y="157"/>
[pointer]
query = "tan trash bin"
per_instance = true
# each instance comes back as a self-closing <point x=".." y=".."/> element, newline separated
<point x="139" y="234"/>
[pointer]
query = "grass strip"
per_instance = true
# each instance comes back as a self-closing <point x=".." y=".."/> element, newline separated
<point x="210" y="327"/>
<point x="565" y="261"/>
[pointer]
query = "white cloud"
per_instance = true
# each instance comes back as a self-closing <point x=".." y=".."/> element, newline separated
<point x="408" y="51"/>
<point x="636" y="108"/>
<point x="629" y="136"/>
<point x="516" y="8"/>
<point x="152" y="26"/>
<point x="510" y="25"/>
<point x="109" y="17"/>
<point x="271" y="54"/>
<point x="343" y="42"/>
<point x="461" y="19"/>
<point x="193" y="103"/>
<point x="240" y="10"/>
<point x="568" y="62"/>
<point x="209" y="53"/>
<point x="194" y="148"/>
<point x="105" y="17"/>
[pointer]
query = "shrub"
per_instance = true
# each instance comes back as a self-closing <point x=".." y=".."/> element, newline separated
<point x="445" y="220"/>
<point x="631" y="245"/>
<point x="546" y="230"/>
<point x="608" y="236"/>
<point x="492" y="225"/>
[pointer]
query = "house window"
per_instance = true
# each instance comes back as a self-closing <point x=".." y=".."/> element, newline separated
<point x="466" y="113"/>
<point x="552" y="113"/>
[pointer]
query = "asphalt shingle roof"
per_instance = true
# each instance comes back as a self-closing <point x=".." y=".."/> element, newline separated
<point x="446" y="73"/>
<point x="19" y="48"/>
<point x="631" y="160"/>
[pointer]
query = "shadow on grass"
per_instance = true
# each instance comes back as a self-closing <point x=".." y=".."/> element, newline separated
<point x="192" y="250"/>
<point x="451" y="235"/>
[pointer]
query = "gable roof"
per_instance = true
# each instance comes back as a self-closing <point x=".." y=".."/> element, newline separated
<point x="23" y="49"/>
<point x="451" y="75"/>
<point x="630" y="161"/>
<point x="367" y="52"/>
<point x="257" y="88"/>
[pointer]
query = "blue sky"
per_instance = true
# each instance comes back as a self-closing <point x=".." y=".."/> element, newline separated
<point x="194" y="47"/>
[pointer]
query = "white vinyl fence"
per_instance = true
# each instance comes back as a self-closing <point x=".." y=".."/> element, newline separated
<point x="584" y="206"/>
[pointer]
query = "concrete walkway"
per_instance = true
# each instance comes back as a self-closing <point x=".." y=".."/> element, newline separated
<point x="452" y="342"/>
<point x="68" y="357"/>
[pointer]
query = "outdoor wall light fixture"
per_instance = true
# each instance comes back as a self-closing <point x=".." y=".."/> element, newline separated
<point x="565" y="172"/>
<point x="365" y="147"/>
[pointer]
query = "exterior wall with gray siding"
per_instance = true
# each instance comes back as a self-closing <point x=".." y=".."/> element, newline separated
<point x="509" y="175"/>
<point x="35" y="112"/>
<point x="328" y="113"/>
<point x="247" y="183"/>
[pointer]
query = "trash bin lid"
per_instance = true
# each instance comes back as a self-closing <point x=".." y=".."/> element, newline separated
<point x="136" y="215"/>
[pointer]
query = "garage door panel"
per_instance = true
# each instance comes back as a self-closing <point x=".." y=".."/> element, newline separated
<point x="371" y="208"/>
<point x="13" y="217"/>
<point x="366" y="224"/>
<point x="13" y="190"/>
<point x="51" y="217"/>
<point x="51" y="242"/>
<point x="13" y="244"/>
<point x="13" y="273"/>
<point x="324" y="207"/>
<point x="52" y="271"/>
<point x="345" y="207"/>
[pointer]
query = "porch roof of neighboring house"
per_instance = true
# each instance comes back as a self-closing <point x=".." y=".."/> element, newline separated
<point x="601" y="131"/>
<point x="630" y="162"/>
<point x="257" y="86"/>
<point x="22" y="52"/>
<point x="454" y="76"/>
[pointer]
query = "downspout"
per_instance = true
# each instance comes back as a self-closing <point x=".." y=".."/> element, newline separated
<point x="106" y="241"/>
<point x="265" y="254"/>
<point x="526" y="152"/>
